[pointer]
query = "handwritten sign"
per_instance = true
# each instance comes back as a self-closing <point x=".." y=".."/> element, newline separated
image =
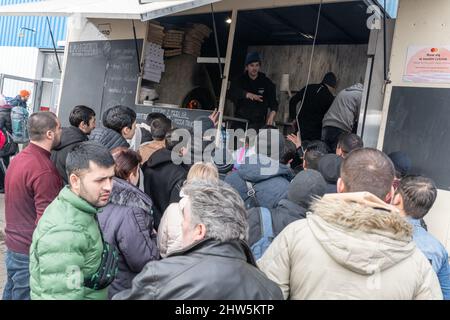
<point x="181" y="118"/>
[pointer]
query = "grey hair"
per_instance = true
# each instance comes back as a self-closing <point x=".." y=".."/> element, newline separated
<point x="220" y="208"/>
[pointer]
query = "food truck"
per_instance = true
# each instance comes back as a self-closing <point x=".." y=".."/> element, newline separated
<point x="178" y="57"/>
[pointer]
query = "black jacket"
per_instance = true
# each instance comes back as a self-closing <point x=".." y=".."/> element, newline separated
<point x="108" y="138"/>
<point x="284" y="214"/>
<point x="208" y="270"/>
<point x="162" y="181"/>
<point x="5" y="118"/>
<point x="318" y="100"/>
<point x="127" y="223"/>
<point x="70" y="138"/>
<point x="253" y="111"/>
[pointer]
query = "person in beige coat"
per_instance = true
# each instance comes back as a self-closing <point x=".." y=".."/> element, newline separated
<point x="353" y="245"/>
<point x="170" y="233"/>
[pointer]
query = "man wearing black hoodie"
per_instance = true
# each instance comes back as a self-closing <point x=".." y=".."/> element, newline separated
<point x="253" y="94"/>
<point x="82" y="121"/>
<point x="318" y="100"/>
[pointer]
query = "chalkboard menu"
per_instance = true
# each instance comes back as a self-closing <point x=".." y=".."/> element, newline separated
<point x="418" y="125"/>
<point x="99" y="74"/>
<point x="181" y="118"/>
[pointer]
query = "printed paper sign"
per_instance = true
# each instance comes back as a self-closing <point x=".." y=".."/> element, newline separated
<point x="428" y="65"/>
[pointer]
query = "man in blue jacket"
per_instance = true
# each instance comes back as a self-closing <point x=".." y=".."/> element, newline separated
<point x="415" y="196"/>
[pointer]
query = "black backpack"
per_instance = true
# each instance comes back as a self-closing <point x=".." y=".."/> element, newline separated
<point x="10" y="148"/>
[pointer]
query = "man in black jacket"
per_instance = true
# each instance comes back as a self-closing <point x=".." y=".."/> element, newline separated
<point x="163" y="178"/>
<point x="318" y="100"/>
<point x="254" y="94"/>
<point x="215" y="262"/>
<point x="82" y="121"/>
<point x="119" y="125"/>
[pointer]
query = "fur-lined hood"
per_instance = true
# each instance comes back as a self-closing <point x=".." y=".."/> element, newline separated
<point x="360" y="232"/>
<point x="125" y="194"/>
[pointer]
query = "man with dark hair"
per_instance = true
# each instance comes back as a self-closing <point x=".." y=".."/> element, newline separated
<point x="32" y="182"/>
<point x="215" y="262"/>
<point x="254" y="94"/>
<point x="143" y="132"/>
<point x="163" y="178"/>
<point x="67" y="245"/>
<point x="318" y="99"/>
<point x="146" y="127"/>
<point x="119" y="125"/>
<point x="348" y="142"/>
<point x="414" y="198"/>
<point x="368" y="170"/>
<point x="314" y="151"/>
<point x="159" y="128"/>
<point x="82" y="120"/>
<point x="352" y="245"/>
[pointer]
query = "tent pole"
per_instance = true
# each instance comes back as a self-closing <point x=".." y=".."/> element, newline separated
<point x="226" y="73"/>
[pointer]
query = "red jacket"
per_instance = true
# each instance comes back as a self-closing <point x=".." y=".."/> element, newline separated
<point x="32" y="182"/>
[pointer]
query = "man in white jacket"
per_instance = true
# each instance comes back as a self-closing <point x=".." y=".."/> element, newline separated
<point x="353" y="245"/>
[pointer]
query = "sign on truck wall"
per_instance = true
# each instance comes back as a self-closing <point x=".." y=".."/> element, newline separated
<point x="427" y="65"/>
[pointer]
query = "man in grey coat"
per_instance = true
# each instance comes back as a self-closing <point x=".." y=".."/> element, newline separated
<point x="342" y="115"/>
<point x="215" y="262"/>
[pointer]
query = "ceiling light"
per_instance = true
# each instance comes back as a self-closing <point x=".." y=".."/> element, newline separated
<point x="306" y="35"/>
<point x="229" y="21"/>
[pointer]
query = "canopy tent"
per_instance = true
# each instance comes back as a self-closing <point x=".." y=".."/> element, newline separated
<point x="112" y="9"/>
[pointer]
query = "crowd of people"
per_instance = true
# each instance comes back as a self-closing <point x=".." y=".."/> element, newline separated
<point x="114" y="212"/>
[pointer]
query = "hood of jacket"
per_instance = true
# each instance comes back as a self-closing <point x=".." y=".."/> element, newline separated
<point x="261" y="168"/>
<point x="356" y="87"/>
<point x="108" y="138"/>
<point x="125" y="194"/>
<point x="330" y="168"/>
<point x="70" y="136"/>
<point x="292" y="209"/>
<point x="365" y="237"/>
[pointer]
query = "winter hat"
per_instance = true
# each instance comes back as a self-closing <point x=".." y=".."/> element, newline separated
<point x="306" y="185"/>
<point x="330" y="167"/>
<point x="402" y="163"/>
<point x="252" y="57"/>
<point x="330" y="79"/>
<point x="24" y="93"/>
<point x="264" y="143"/>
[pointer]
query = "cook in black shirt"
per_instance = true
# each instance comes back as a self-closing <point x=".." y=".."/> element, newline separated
<point x="254" y="94"/>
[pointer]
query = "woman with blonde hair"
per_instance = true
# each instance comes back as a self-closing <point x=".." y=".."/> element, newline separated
<point x="170" y="236"/>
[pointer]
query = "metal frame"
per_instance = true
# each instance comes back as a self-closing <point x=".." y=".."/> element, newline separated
<point x="37" y="89"/>
<point x="35" y="83"/>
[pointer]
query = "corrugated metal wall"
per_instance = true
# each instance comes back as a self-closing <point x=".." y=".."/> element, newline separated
<point x="14" y="34"/>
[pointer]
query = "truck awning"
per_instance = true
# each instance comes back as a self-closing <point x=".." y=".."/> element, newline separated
<point x="112" y="9"/>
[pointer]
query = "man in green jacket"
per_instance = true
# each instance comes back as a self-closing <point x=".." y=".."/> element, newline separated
<point x="67" y="244"/>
